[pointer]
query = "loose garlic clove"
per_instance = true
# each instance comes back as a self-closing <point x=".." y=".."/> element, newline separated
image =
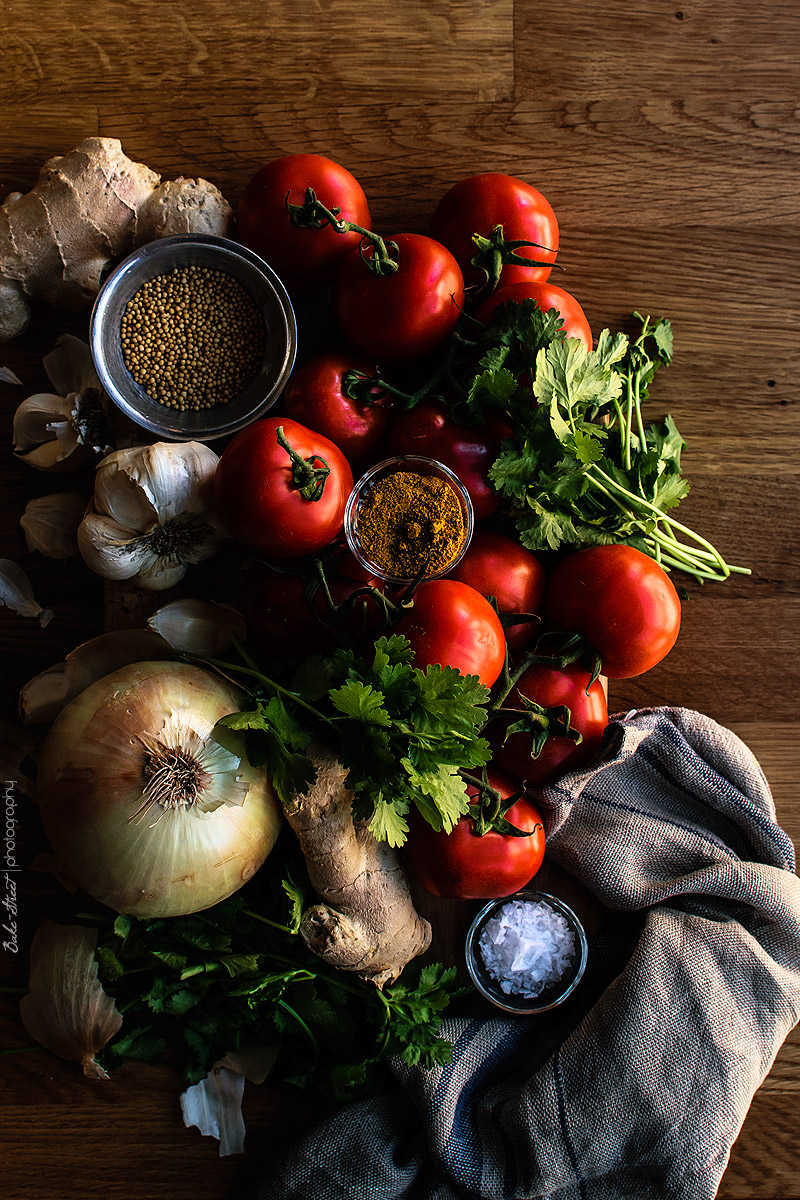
<point x="66" y="1009"/>
<point x="50" y="524"/>
<point x="198" y="626"/>
<point x="151" y="514"/>
<point x="16" y="593"/>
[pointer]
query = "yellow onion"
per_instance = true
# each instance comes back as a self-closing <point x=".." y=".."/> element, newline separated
<point x="142" y="807"/>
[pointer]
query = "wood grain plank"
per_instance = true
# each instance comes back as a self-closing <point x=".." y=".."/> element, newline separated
<point x="428" y="48"/>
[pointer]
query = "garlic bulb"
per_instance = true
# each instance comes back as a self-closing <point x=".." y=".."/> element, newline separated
<point x="50" y="524"/>
<point x="65" y="430"/>
<point x="151" y="514"/>
<point x="66" y="1010"/>
<point x="142" y="807"/>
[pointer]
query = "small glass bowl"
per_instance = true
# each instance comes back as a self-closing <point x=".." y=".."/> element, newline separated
<point x="514" y="1002"/>
<point x="157" y="258"/>
<point x="416" y="465"/>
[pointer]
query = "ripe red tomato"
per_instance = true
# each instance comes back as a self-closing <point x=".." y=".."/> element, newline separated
<point x="304" y="259"/>
<point x="259" y="499"/>
<point x="547" y="296"/>
<point x="315" y="398"/>
<point x="498" y="566"/>
<point x="467" y="450"/>
<point x="402" y="315"/>
<point x="477" y="204"/>
<point x="623" y="603"/>
<point x="454" y="625"/>
<point x="551" y="687"/>
<point x="461" y="865"/>
<point x="284" y="623"/>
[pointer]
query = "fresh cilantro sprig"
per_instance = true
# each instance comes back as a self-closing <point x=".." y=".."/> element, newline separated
<point x="402" y="733"/>
<point x="237" y="975"/>
<point x="582" y="467"/>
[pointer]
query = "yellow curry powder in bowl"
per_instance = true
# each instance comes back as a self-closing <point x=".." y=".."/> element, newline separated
<point x="409" y="515"/>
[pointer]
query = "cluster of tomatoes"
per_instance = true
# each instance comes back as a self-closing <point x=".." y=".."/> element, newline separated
<point x="283" y="494"/>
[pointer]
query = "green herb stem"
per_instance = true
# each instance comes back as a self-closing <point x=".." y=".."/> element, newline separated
<point x="264" y="679"/>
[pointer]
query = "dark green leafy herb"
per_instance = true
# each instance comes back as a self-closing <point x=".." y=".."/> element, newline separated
<point x="238" y="974"/>
<point x="402" y="733"/>
<point x="582" y="468"/>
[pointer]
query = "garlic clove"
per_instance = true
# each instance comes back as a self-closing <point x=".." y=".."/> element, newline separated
<point x="35" y="418"/>
<point x="176" y="477"/>
<point x="16" y="593"/>
<point x="66" y="1010"/>
<point x="50" y="524"/>
<point x="119" y="495"/>
<point x="111" y="549"/>
<point x="158" y="574"/>
<point x="8" y="376"/>
<point x="43" y="697"/>
<point x="198" y="626"/>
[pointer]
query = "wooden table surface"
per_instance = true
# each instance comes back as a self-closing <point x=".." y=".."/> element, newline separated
<point x="667" y="140"/>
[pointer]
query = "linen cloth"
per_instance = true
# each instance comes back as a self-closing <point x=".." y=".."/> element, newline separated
<point x="637" y="1086"/>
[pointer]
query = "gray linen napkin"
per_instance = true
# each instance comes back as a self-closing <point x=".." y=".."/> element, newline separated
<point x="638" y="1085"/>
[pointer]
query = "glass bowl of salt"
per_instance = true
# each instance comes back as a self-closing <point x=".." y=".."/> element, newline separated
<point x="526" y="952"/>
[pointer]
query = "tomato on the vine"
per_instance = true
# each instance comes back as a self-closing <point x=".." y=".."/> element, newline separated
<point x="463" y="865"/>
<point x="304" y="258"/>
<point x="282" y="489"/>
<point x="552" y="687"/>
<point x="406" y="313"/>
<point x="480" y="203"/>
<point x="316" y="398"/>
<point x="468" y="450"/>
<point x="622" y="601"/>
<point x="547" y="296"/>
<point x="498" y="566"/>
<point x="282" y="618"/>
<point x="453" y="624"/>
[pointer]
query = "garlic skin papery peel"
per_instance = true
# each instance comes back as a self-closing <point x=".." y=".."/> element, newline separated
<point x="151" y="514"/>
<point x="142" y="807"/>
<point x="66" y="1009"/>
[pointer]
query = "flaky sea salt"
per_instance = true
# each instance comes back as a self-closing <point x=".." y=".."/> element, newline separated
<point x="527" y="946"/>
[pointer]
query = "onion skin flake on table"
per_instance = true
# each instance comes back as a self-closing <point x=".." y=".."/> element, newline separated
<point x="374" y="708"/>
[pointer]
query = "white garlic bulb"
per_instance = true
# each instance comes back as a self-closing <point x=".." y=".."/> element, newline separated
<point x="151" y="514"/>
<point x="65" y="430"/>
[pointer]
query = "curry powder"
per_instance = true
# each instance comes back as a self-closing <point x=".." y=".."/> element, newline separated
<point x="408" y="523"/>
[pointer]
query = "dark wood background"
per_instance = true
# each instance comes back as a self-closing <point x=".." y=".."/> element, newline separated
<point x="667" y="140"/>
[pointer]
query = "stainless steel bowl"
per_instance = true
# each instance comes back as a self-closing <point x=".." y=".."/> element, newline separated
<point x="167" y="254"/>
<point x="513" y="1002"/>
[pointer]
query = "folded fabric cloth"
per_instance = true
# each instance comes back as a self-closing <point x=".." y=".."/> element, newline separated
<point x="637" y="1086"/>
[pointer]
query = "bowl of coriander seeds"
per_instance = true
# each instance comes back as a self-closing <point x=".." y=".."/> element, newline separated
<point x="193" y="337"/>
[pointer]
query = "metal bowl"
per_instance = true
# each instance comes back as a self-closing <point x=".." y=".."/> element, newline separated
<point x="157" y="258"/>
<point x="513" y="1002"/>
<point x="416" y="465"/>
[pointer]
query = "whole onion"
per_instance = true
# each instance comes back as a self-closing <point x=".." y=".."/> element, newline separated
<point x="143" y="808"/>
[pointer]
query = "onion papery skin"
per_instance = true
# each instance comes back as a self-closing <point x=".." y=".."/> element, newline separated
<point x="165" y="862"/>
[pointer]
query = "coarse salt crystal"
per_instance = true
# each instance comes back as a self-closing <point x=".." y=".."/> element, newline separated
<point x="527" y="946"/>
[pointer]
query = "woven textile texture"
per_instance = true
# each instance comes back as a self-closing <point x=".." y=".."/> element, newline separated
<point x="638" y="1085"/>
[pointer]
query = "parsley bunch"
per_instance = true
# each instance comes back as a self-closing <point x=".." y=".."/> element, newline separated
<point x="403" y="734"/>
<point x="239" y="975"/>
<point x="582" y="468"/>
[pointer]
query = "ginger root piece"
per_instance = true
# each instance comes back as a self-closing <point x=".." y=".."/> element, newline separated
<point x="87" y="210"/>
<point x="366" y="921"/>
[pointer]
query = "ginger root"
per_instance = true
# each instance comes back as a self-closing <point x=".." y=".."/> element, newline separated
<point x="88" y="209"/>
<point x="366" y="921"/>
